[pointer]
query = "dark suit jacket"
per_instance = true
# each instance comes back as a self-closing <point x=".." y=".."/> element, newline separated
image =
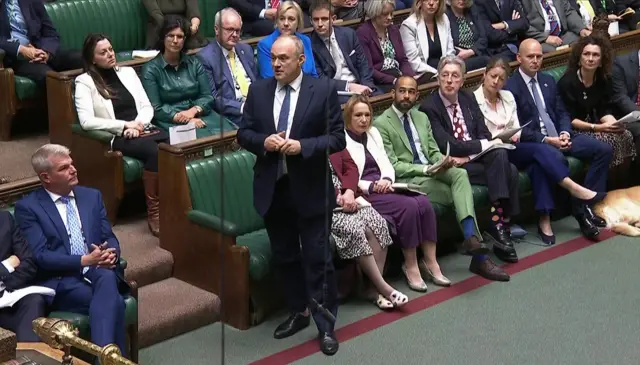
<point x="250" y="9"/>
<point x="478" y="28"/>
<point x="352" y="53"/>
<point x="488" y="11"/>
<point x="47" y="236"/>
<point x="12" y="243"/>
<point x="317" y="124"/>
<point x="527" y="110"/>
<point x="221" y="79"/>
<point x="371" y="46"/>
<point x="443" y="129"/>
<point x="40" y="29"/>
<point x="346" y="170"/>
<point x="625" y="83"/>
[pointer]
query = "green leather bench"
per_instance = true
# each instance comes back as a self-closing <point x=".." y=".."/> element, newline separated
<point x="81" y="322"/>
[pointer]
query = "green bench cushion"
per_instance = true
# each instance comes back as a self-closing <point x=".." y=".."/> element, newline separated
<point x="260" y="252"/>
<point x="26" y="88"/>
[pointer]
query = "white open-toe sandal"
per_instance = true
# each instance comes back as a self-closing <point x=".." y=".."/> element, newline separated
<point x="398" y="299"/>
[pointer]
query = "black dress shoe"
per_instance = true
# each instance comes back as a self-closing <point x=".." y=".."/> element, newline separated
<point x="292" y="325"/>
<point x="597" y="221"/>
<point x="502" y="244"/>
<point x="546" y="239"/>
<point x="589" y="230"/>
<point x="488" y="270"/>
<point x="328" y="343"/>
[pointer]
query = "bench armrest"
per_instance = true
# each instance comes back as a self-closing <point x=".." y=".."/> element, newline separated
<point x="211" y="221"/>
<point x="2" y="53"/>
<point x="123" y="263"/>
<point x="102" y="136"/>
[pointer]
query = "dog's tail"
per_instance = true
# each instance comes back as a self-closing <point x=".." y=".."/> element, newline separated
<point x="625" y="229"/>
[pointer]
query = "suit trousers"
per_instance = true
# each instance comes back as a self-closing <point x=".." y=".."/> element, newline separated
<point x="18" y="318"/>
<point x="100" y="299"/>
<point x="546" y="167"/>
<point x="451" y="187"/>
<point x="302" y="256"/>
<point x="568" y="38"/>
<point x="597" y="155"/>
<point x="501" y="177"/>
<point x="64" y="60"/>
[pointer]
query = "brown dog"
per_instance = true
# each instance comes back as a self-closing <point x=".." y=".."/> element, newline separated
<point x="621" y="210"/>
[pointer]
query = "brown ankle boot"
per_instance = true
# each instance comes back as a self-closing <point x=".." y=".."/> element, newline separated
<point x="151" y="191"/>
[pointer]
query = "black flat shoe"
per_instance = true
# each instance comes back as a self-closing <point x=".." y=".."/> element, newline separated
<point x="292" y="325"/>
<point x="328" y="343"/>
<point x="547" y="239"/>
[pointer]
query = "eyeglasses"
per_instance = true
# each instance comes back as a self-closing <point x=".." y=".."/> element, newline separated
<point x="233" y="30"/>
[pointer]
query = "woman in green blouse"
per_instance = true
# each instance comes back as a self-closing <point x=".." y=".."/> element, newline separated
<point x="178" y="87"/>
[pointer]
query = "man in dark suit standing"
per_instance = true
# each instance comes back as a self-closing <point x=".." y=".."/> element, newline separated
<point x="67" y="229"/>
<point x="230" y="65"/>
<point x="16" y="272"/>
<point x="505" y="23"/>
<point x="338" y="53"/>
<point x="539" y="103"/>
<point x="31" y="42"/>
<point x="626" y="84"/>
<point x="456" y="120"/>
<point x="292" y="122"/>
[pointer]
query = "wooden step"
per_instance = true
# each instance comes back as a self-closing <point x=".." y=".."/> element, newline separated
<point x="172" y="307"/>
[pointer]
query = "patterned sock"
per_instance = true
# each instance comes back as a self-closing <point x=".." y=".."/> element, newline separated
<point x="497" y="216"/>
<point x="468" y="227"/>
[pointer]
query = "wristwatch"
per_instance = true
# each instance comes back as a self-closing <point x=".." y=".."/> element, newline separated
<point x="198" y="109"/>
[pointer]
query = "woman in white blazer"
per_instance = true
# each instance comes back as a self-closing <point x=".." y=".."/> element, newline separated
<point x="544" y="165"/>
<point x="426" y="36"/>
<point x="111" y="99"/>
<point x="411" y="216"/>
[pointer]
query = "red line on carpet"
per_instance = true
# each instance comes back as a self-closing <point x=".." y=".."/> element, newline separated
<point x="426" y="301"/>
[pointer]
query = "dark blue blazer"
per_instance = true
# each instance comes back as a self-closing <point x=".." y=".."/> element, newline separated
<point x="12" y="243"/>
<point x="47" y="236"/>
<point x="221" y="79"/>
<point x="489" y="12"/>
<point x="317" y="124"/>
<point x="478" y="27"/>
<point x="40" y="29"/>
<point x="527" y="110"/>
<point x="442" y="127"/>
<point x="352" y="53"/>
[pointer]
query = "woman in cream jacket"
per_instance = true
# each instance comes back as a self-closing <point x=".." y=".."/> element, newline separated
<point x="426" y="36"/>
<point x="111" y="99"/>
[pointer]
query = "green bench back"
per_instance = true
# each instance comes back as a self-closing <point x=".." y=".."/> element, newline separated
<point x="208" y="10"/>
<point x="124" y="21"/>
<point x="211" y="190"/>
<point x="556" y="72"/>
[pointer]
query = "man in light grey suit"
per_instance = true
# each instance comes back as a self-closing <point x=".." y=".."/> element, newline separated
<point x="553" y="23"/>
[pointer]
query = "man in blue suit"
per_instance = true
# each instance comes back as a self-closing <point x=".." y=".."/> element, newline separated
<point x="338" y="54"/>
<point x="230" y="65"/>
<point x="17" y="271"/>
<point x="539" y="103"/>
<point x="31" y="42"/>
<point x="73" y="245"/>
<point x="291" y="123"/>
<point x="505" y="23"/>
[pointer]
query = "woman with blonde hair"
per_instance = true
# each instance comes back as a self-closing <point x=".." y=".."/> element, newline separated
<point x="411" y="216"/>
<point x="289" y="21"/>
<point x="426" y="36"/>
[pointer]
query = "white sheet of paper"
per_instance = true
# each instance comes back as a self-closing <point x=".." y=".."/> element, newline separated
<point x="182" y="133"/>
<point x="11" y="298"/>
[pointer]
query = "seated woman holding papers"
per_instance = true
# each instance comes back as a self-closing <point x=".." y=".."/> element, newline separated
<point x="540" y="160"/>
<point x="360" y="232"/>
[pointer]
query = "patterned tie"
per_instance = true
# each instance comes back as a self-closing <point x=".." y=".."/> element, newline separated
<point x="78" y="246"/>
<point x="542" y="112"/>
<point x="554" y="26"/>
<point x="638" y="98"/>
<point x="283" y="123"/>
<point x="238" y="75"/>
<point x="273" y="4"/>
<point x="412" y="143"/>
<point x="458" y="128"/>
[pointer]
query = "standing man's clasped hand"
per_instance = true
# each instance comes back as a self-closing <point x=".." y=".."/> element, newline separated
<point x="278" y="143"/>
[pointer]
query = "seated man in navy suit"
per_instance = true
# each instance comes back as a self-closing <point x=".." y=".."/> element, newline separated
<point x="338" y="54"/>
<point x="230" y="65"/>
<point x="551" y="124"/>
<point x="505" y="23"/>
<point x="16" y="272"/>
<point x="73" y="246"/>
<point x="31" y="42"/>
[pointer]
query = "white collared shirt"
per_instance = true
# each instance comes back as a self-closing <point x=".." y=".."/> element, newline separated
<point x="342" y="69"/>
<point x="414" y="132"/>
<point x="62" y="208"/>
<point x="240" y="68"/>
<point x="527" y="81"/>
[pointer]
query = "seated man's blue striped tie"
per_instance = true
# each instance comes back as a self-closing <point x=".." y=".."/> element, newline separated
<point x="76" y="239"/>
<point x="412" y="143"/>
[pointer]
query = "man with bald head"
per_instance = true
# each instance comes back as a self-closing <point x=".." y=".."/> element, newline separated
<point x="230" y="65"/>
<point x="539" y="103"/>
<point x="292" y="122"/>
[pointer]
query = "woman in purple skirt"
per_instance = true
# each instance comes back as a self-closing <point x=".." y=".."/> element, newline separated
<point x="412" y="218"/>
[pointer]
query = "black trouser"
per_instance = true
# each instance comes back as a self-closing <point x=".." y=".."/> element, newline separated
<point x="18" y="318"/>
<point x="476" y="62"/>
<point x="144" y="149"/>
<point x="302" y="256"/>
<point x="63" y="60"/>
